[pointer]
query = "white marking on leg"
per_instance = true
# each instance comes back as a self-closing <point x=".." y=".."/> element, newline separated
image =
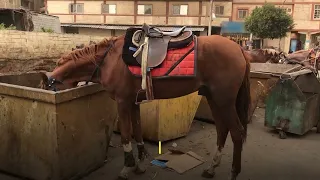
<point x="140" y="143"/>
<point x="216" y="160"/>
<point x="124" y="174"/>
<point x="127" y="147"/>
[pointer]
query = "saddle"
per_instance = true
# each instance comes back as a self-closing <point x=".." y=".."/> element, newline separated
<point x="153" y="45"/>
<point x="159" y="43"/>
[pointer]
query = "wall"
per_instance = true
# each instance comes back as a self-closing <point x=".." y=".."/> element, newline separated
<point x="21" y="45"/>
<point x="42" y="20"/>
<point x="95" y="32"/>
<point x="10" y="4"/>
<point x="219" y="18"/>
<point x="302" y="16"/>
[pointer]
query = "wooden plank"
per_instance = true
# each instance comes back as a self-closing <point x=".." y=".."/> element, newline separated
<point x="271" y="68"/>
<point x="298" y="73"/>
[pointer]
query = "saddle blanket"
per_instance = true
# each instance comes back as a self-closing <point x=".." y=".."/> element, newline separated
<point x="183" y="59"/>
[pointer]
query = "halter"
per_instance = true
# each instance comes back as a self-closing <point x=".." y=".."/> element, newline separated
<point x="53" y="81"/>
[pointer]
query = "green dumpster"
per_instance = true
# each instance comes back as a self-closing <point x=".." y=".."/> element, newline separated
<point x="293" y="103"/>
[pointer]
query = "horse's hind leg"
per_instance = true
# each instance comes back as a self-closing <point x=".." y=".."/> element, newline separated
<point x="237" y="135"/>
<point x="231" y="120"/>
<point x="125" y="114"/>
<point x="222" y="133"/>
<point x="137" y="131"/>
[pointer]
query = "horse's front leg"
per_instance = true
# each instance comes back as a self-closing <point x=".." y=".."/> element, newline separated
<point x="136" y="126"/>
<point x="125" y="114"/>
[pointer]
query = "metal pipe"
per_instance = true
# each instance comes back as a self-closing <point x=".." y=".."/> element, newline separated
<point x="210" y="18"/>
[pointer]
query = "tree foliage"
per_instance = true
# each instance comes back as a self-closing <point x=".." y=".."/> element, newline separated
<point x="269" y="21"/>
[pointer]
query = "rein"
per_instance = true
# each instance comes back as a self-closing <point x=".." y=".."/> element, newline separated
<point x="101" y="62"/>
<point x="52" y="81"/>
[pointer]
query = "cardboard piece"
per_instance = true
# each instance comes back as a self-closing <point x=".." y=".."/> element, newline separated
<point x="180" y="161"/>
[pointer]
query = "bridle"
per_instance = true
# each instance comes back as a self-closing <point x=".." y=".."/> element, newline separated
<point x="53" y="81"/>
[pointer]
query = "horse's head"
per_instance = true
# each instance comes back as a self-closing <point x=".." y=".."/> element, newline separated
<point x="272" y="55"/>
<point x="79" y="65"/>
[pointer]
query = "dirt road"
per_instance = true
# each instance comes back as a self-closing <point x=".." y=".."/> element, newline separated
<point x="265" y="156"/>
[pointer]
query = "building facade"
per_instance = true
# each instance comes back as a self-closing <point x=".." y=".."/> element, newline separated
<point x="104" y="17"/>
<point x="306" y="16"/>
<point x="112" y="18"/>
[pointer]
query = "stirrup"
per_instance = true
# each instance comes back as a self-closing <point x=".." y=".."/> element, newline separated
<point x="143" y="101"/>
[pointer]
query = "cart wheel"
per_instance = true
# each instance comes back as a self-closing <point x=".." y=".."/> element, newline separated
<point x="282" y="135"/>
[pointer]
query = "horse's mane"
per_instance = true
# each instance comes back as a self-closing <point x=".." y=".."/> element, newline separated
<point x="88" y="52"/>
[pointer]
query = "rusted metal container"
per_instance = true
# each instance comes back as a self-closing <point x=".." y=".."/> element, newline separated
<point x="167" y="119"/>
<point x="293" y="104"/>
<point x="52" y="135"/>
<point x="262" y="78"/>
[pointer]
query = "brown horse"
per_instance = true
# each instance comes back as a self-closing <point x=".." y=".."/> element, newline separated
<point x="222" y="75"/>
<point x="263" y="55"/>
<point x="82" y="45"/>
<point x="304" y="57"/>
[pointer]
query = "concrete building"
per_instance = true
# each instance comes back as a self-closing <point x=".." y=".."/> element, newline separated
<point x="33" y="5"/>
<point x="104" y="17"/>
<point x="112" y="18"/>
<point x="306" y="15"/>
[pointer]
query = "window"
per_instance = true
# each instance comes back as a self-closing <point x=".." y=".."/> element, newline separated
<point x="145" y="9"/>
<point x="288" y="10"/>
<point x="76" y="8"/>
<point x="109" y="9"/>
<point x="180" y="10"/>
<point x="316" y="13"/>
<point x="242" y="13"/>
<point x="219" y="10"/>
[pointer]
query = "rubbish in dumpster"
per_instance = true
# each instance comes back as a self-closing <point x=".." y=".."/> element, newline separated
<point x="178" y="160"/>
<point x="159" y="163"/>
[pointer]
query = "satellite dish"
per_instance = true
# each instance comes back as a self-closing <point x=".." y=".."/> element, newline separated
<point x="213" y="15"/>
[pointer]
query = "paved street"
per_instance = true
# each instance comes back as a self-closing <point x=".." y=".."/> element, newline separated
<point x="265" y="156"/>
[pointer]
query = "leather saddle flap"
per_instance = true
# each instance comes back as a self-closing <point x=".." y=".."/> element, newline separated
<point x="157" y="51"/>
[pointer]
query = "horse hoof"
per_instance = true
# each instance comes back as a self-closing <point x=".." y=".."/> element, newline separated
<point x="140" y="170"/>
<point x="207" y="174"/>
<point x="124" y="174"/>
<point x="122" y="177"/>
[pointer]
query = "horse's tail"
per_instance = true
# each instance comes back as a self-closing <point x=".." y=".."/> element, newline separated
<point x="244" y="99"/>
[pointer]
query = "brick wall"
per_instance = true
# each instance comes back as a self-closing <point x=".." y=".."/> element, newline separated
<point x="21" y="45"/>
<point x="46" y="21"/>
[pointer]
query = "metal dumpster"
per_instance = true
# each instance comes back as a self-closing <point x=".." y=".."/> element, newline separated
<point x="293" y="103"/>
<point x="52" y="135"/>
<point x="167" y="119"/>
<point x="261" y="80"/>
<point x="263" y="76"/>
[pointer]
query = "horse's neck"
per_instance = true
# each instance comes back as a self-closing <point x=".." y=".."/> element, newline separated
<point x="114" y="69"/>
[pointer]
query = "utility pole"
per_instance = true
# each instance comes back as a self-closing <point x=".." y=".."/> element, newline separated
<point x="210" y="18"/>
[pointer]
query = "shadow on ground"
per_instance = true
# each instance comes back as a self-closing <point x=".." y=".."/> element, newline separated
<point x="265" y="156"/>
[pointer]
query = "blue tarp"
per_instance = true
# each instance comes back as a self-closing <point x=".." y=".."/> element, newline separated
<point x="228" y="27"/>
